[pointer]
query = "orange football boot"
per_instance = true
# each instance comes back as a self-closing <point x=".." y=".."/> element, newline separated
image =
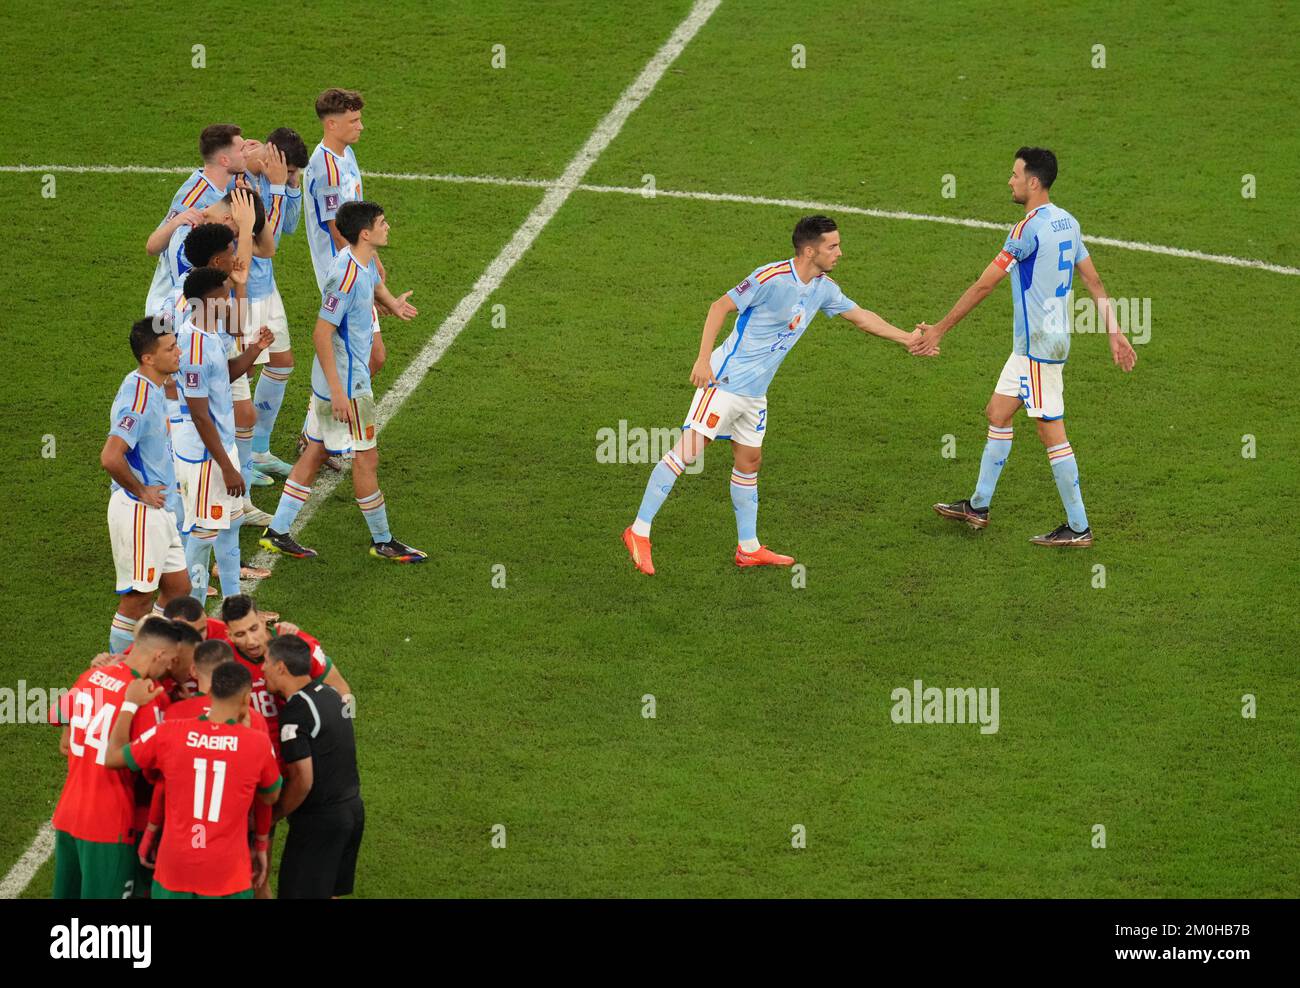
<point x="763" y="556"/>
<point x="638" y="547"/>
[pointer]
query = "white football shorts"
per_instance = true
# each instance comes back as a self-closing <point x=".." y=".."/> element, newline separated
<point x="269" y="311"/>
<point x="1036" y="383"/>
<point x="357" y="434"/>
<point x="145" y="543"/>
<point x="719" y="414"/>
<point x="203" y="492"/>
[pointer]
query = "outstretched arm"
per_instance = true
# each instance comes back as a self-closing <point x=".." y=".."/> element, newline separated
<point x="1121" y="350"/>
<point x="869" y="322"/>
<point x="971" y="297"/>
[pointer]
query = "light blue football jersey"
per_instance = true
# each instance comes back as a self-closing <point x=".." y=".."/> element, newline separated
<point x="1040" y="254"/>
<point x="204" y="373"/>
<point x="331" y="180"/>
<point x="170" y="274"/>
<point x="139" y="418"/>
<point x="175" y="306"/>
<point x="196" y="192"/>
<point x="775" y="310"/>
<point x="347" y="303"/>
<point x="283" y="209"/>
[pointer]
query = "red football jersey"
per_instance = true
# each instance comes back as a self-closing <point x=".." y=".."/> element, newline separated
<point x="212" y="772"/>
<point x="98" y="803"/>
<point x="199" y="705"/>
<point x="141" y="786"/>
<point x="189" y="709"/>
<point x="267" y="702"/>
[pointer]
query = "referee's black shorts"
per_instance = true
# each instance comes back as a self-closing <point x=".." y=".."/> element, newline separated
<point x="320" y="854"/>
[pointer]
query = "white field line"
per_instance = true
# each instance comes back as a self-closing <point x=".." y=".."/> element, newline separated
<point x="800" y="204"/>
<point x="557" y="193"/>
<point x="892" y="214"/>
<point x="29" y="864"/>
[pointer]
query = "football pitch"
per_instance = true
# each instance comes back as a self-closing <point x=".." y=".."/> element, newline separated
<point x="569" y="187"/>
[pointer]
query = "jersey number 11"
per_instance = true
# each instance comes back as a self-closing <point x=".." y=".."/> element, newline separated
<point x="201" y="785"/>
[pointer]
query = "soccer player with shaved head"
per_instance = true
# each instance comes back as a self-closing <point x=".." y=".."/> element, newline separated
<point x="774" y="306"/>
<point x="215" y="768"/>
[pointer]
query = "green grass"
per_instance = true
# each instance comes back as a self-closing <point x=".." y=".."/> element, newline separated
<point x="522" y="706"/>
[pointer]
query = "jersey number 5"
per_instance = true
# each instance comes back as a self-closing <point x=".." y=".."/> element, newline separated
<point x="1064" y="265"/>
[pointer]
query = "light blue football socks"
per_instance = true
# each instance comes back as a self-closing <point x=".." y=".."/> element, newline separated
<point x="744" y="498"/>
<point x="662" y="478"/>
<point x="1066" y="471"/>
<point x="996" y="451"/>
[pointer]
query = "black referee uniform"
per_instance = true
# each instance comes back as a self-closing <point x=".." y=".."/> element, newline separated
<point x="320" y="855"/>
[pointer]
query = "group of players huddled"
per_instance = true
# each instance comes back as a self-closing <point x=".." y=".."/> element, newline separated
<point x="189" y="438"/>
<point x="183" y="751"/>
